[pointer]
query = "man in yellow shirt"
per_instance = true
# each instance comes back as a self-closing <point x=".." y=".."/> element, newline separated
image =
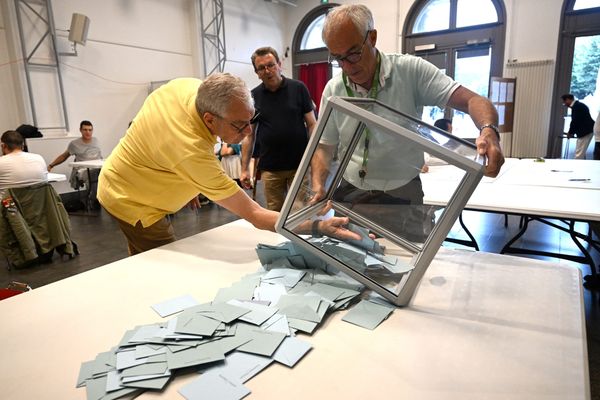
<point x="167" y="158"/>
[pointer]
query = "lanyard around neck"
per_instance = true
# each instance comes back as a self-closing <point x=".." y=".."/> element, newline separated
<point x="373" y="95"/>
<point x="374" y="84"/>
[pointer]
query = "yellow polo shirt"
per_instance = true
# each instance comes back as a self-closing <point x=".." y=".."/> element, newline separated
<point x="165" y="159"/>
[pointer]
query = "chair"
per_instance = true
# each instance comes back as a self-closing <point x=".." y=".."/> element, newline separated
<point x="255" y="177"/>
<point x="35" y="224"/>
<point x="86" y="179"/>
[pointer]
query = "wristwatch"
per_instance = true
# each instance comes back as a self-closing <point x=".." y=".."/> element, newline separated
<point x="315" y="229"/>
<point x="491" y="126"/>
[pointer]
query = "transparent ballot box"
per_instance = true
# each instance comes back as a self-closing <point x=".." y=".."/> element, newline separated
<point x="366" y="162"/>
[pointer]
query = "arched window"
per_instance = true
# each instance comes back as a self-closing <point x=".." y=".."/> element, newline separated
<point x="309" y="54"/>
<point x="311" y="38"/>
<point x="578" y="67"/>
<point x="463" y="38"/>
<point x="585" y="4"/>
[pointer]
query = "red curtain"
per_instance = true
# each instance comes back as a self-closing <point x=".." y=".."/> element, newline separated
<point x="314" y="77"/>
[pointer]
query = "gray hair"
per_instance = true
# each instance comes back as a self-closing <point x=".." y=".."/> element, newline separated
<point x="218" y="90"/>
<point x="360" y="15"/>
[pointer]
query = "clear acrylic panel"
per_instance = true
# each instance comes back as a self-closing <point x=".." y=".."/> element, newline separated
<point x="377" y="180"/>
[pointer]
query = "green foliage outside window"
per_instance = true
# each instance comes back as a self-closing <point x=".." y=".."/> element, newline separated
<point x="585" y="66"/>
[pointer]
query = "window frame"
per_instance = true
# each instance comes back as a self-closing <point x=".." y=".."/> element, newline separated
<point x="452" y="40"/>
<point x="573" y="23"/>
<point x="310" y="56"/>
<point x="571" y="4"/>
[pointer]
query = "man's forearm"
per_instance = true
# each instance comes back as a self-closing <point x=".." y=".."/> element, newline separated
<point x="58" y="160"/>
<point x="320" y="166"/>
<point x="482" y="111"/>
<point x="247" y="148"/>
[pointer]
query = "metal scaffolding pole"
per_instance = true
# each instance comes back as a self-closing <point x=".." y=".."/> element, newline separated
<point x="40" y="56"/>
<point x="213" y="35"/>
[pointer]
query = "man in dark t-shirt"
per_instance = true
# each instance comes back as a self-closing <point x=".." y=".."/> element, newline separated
<point x="281" y="130"/>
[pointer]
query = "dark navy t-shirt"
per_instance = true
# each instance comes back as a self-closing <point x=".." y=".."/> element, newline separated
<point x="282" y="136"/>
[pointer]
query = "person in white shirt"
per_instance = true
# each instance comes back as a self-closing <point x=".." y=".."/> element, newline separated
<point x="17" y="167"/>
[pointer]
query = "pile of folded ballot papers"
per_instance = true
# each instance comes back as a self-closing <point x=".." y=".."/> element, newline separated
<point x="248" y="326"/>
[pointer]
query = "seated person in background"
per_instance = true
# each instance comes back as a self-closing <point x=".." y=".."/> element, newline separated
<point x="17" y="167"/>
<point x="230" y="157"/>
<point x="444" y="124"/>
<point x="33" y="221"/>
<point x="84" y="148"/>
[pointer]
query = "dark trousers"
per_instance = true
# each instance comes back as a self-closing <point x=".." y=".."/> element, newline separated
<point x="400" y="210"/>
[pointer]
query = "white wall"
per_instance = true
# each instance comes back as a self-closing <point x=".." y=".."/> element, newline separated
<point x="109" y="79"/>
<point x="250" y="24"/>
<point x="10" y="103"/>
<point x="532" y="29"/>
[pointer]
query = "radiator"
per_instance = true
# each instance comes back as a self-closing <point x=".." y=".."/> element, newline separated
<point x="533" y="100"/>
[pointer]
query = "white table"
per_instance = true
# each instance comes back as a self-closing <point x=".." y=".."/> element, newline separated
<point x="481" y="326"/>
<point x="528" y="187"/>
<point x="88" y="165"/>
<point x="538" y="191"/>
<point x="52" y="177"/>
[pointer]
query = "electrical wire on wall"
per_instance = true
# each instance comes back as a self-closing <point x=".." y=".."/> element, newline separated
<point x="82" y="70"/>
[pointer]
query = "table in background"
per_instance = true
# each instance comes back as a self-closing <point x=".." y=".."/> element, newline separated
<point x="480" y="326"/>
<point x="89" y="165"/>
<point x="567" y="190"/>
<point x="52" y="177"/>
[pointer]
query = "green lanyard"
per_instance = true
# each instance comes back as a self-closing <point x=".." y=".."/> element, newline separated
<point x="372" y="94"/>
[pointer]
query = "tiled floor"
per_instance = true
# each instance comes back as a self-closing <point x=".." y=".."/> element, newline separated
<point x="100" y="243"/>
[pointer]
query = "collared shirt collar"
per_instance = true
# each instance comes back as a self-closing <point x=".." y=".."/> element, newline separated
<point x="282" y="84"/>
<point x="384" y="73"/>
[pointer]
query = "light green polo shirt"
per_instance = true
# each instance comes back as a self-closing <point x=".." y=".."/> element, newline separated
<point x="406" y="83"/>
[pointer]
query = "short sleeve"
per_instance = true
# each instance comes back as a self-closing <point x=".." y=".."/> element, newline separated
<point x="434" y="88"/>
<point x="207" y="176"/>
<point x="307" y="102"/>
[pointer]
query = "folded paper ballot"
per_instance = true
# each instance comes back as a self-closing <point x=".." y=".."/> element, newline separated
<point x="175" y="305"/>
<point x="241" y="332"/>
<point x="367" y="314"/>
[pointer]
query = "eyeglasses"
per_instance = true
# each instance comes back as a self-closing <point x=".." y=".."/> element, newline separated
<point x="246" y="125"/>
<point x="350" y="58"/>
<point x="262" y="68"/>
